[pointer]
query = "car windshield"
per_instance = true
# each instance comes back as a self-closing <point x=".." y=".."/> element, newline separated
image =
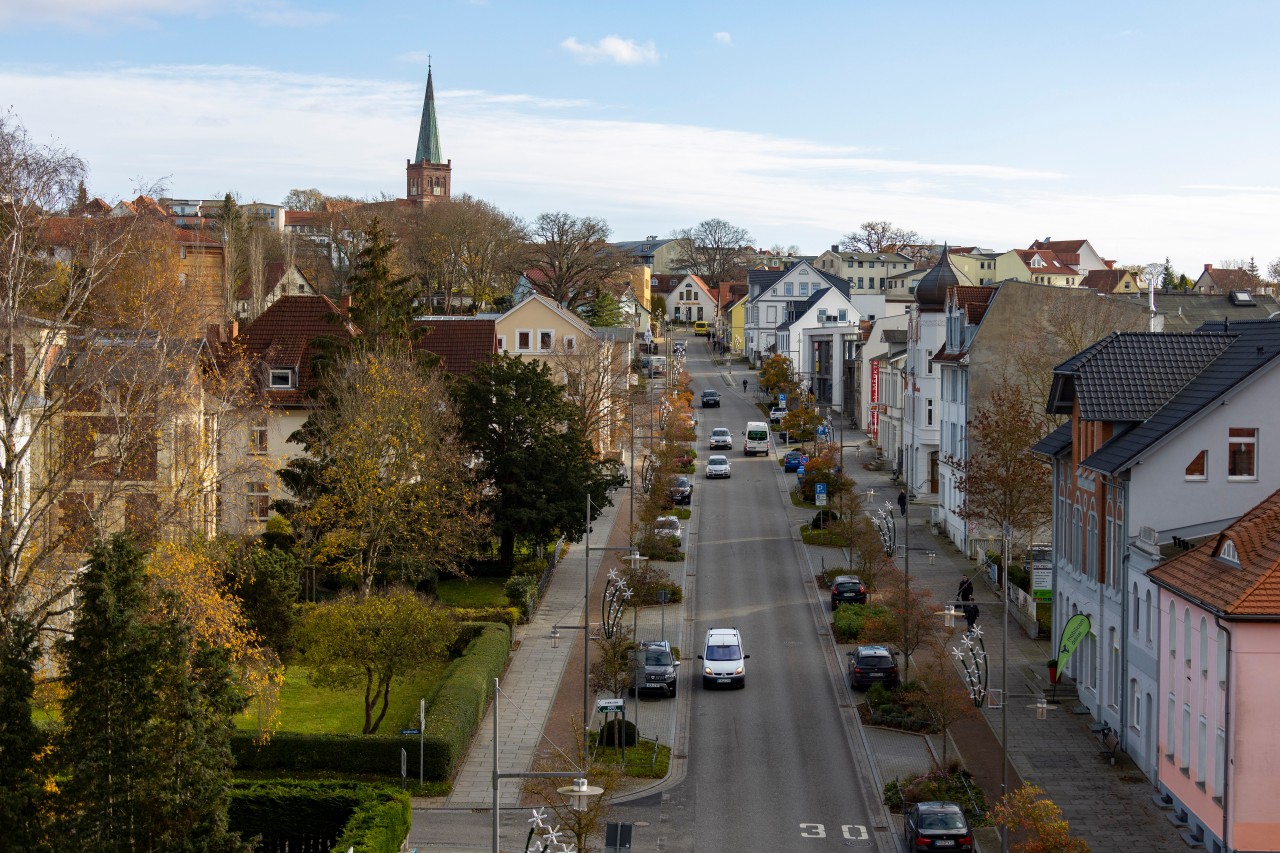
<point x="657" y="657"/>
<point x="723" y="653"/>
<point x="942" y="822"/>
<point x="667" y="524"/>
<point x="680" y="483"/>
<point x="720" y="432"/>
<point x="718" y="460"/>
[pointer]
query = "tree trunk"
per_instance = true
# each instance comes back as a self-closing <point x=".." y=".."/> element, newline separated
<point x="507" y="550"/>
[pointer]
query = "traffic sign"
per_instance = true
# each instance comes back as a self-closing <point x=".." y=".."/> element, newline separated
<point x="610" y="706"/>
<point x="411" y="731"/>
<point x="782" y="401"/>
<point x="820" y="494"/>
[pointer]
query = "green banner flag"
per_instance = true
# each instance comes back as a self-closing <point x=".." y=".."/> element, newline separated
<point x="1072" y="634"/>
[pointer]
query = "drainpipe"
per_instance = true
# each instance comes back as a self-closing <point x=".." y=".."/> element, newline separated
<point x="1226" y="739"/>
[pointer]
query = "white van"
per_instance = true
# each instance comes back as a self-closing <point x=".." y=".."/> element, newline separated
<point x="757" y="438"/>
<point x="723" y="662"/>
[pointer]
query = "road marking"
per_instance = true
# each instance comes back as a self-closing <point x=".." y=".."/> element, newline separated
<point x="850" y="831"/>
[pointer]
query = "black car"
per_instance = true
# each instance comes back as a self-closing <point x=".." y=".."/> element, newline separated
<point x="937" y="825"/>
<point x="870" y="665"/>
<point x="710" y="398"/>
<point x="659" y="667"/>
<point x="847" y="589"/>
<point x="681" y="490"/>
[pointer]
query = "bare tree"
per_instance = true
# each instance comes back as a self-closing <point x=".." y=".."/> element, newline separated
<point x="595" y="377"/>
<point x="877" y="236"/>
<point x="713" y="250"/>
<point x="571" y="258"/>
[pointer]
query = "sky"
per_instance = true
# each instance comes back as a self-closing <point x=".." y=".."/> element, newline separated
<point x="1147" y="127"/>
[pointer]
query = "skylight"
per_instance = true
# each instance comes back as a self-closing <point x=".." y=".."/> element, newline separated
<point x="1241" y="297"/>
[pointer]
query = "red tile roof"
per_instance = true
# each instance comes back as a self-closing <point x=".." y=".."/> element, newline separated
<point x="284" y="336"/>
<point x="1070" y="246"/>
<point x="1248" y="588"/>
<point x="1103" y="281"/>
<point x="1226" y="280"/>
<point x="461" y="342"/>
<point x="1053" y="265"/>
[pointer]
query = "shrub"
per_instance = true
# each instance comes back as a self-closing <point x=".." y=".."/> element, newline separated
<point x="849" y="619"/>
<point x="509" y="616"/>
<point x="320" y="815"/>
<point x="616" y="732"/>
<point x="456" y="710"/>
<point x="823" y="518"/>
<point x="951" y="785"/>
<point x="522" y="592"/>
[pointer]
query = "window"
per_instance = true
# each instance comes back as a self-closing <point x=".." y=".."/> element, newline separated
<point x="281" y="378"/>
<point x="928" y="360"/>
<point x="1091" y="558"/>
<point x="1173" y="632"/>
<point x="844" y="315"/>
<point x="502" y="343"/>
<point x="804" y="288"/>
<point x="859" y="282"/>
<point x="1204" y="648"/>
<point x="1219" y="765"/>
<point x="788" y="289"/>
<point x="524" y="341"/>
<point x="1150" y="613"/>
<point x="1114" y="682"/>
<point x="1202" y="737"/>
<point x="1198" y="468"/>
<point x="1186" y="637"/>
<point x="929" y="412"/>
<point x="1135" y="705"/>
<point x="182" y="252"/>
<point x="1170" y="729"/>
<point x="258" y="439"/>
<point x="1137" y="614"/>
<point x="1222" y="659"/>
<point x="1184" y="757"/>
<point x="546" y="340"/>
<point x="570" y="343"/>
<point x="1228" y="552"/>
<point x="258" y="501"/>
<point x="1242" y="450"/>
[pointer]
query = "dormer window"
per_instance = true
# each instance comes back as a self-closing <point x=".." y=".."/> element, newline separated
<point x="281" y="379"/>
<point x="1228" y="552"/>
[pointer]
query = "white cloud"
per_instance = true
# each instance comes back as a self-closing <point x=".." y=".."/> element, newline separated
<point x="123" y="15"/>
<point x="723" y="38"/>
<point x="613" y="49"/>
<point x="261" y="133"/>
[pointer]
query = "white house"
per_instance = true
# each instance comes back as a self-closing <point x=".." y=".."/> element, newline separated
<point x="691" y="300"/>
<point x="770" y="294"/>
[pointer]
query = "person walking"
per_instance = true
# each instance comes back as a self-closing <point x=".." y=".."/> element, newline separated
<point x="971" y="616"/>
<point x="965" y="592"/>
<point x="744" y="386"/>
<point x="902" y="501"/>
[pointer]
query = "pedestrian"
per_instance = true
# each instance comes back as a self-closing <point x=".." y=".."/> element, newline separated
<point x="965" y="592"/>
<point x="902" y="501"/>
<point x="744" y="386"/>
<point x="971" y="616"/>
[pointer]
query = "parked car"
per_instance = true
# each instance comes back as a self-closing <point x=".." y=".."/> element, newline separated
<point x="669" y="525"/>
<point x="847" y="589"/>
<point x="718" y="466"/>
<point x="935" y="825"/>
<point x="870" y="665"/>
<point x="776" y="414"/>
<point x="681" y="490"/>
<point x="723" y="662"/>
<point x="792" y="461"/>
<point x="701" y="329"/>
<point x="721" y="439"/>
<point x="659" y="667"/>
<point x="710" y="398"/>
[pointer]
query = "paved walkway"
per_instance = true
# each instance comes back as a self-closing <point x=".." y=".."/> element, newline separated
<point x="1109" y="806"/>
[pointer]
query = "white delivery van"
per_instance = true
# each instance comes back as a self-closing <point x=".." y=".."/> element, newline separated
<point x="757" y="438"/>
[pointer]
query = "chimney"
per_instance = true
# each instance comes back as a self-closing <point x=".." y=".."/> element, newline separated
<point x="835" y="248"/>
<point x="213" y="334"/>
<point x="233" y="329"/>
<point x="1208" y="267"/>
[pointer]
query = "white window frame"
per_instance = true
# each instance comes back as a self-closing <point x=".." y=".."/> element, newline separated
<point x="259" y="442"/>
<point x="570" y="343"/>
<point x="1204" y="474"/>
<point x="1252" y="441"/>
<point x="257" y="501"/>
<point x="546" y="340"/>
<point x="502" y="343"/>
<point x="281" y="378"/>
<point x="524" y="340"/>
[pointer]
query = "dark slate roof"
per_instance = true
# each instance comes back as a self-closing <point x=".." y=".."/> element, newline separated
<point x="1054" y="443"/>
<point x="931" y="291"/>
<point x="1186" y="312"/>
<point x="894" y="336"/>
<point x="835" y="281"/>
<point x="1251" y="347"/>
<point x="1128" y="376"/>
<point x="461" y="342"/>
<point x="759" y="281"/>
<point x="1248" y="588"/>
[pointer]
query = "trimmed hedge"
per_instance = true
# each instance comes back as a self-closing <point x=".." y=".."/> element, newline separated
<point x="309" y="815"/>
<point x="458" y="707"/>
<point x="453" y="715"/>
<point x="847" y="621"/>
<point x="509" y="616"/>
<point x="522" y="591"/>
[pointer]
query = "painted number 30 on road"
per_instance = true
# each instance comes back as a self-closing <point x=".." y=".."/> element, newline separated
<point x="849" y="831"/>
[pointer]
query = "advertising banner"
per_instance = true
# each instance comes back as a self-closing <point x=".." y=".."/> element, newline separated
<point x="873" y="424"/>
<point x="1076" y="629"/>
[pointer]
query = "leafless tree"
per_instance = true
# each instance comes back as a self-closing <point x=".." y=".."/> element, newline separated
<point x="713" y="250"/>
<point x="877" y="236"/>
<point x="595" y="377"/>
<point x="570" y="258"/>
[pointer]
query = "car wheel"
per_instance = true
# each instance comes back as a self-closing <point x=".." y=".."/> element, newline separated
<point x="671" y="689"/>
<point x="742" y="685"/>
<point x="706" y="683"/>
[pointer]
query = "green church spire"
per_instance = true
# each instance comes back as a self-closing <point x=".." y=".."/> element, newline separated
<point x="428" y="133"/>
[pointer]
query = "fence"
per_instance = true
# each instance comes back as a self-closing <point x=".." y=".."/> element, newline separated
<point x="552" y="560"/>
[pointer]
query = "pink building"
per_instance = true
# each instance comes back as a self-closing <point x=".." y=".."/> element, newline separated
<point x="1219" y="742"/>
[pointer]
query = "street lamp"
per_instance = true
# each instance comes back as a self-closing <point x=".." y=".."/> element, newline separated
<point x="579" y="793"/>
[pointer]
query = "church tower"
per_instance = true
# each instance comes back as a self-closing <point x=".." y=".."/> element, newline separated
<point x="427" y="175"/>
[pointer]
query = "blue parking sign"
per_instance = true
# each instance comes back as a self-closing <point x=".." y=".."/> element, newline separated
<point x="820" y="494"/>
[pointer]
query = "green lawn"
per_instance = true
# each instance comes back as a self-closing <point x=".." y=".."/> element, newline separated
<point x="476" y="592"/>
<point x="312" y="710"/>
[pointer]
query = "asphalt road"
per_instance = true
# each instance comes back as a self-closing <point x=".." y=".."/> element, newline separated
<point x="772" y="766"/>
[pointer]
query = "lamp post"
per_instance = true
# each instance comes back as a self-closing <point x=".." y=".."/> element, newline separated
<point x="580" y="790"/>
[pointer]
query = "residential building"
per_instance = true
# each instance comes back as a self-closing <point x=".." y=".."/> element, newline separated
<point x="1077" y="254"/>
<point x="1166" y="443"/>
<point x="658" y="254"/>
<point x="428" y="176"/>
<point x="691" y="300"/>
<point x="1113" y="281"/>
<point x="1218" y="280"/>
<point x="865" y="271"/>
<point x="770" y="294"/>
<point x="275" y="280"/>
<point x="1040" y="266"/>
<point x="1216" y="633"/>
<point x="460" y="342"/>
<point x="884" y="341"/>
<point x="812" y="337"/>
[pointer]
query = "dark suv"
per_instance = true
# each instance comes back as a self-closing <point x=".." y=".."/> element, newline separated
<point x="870" y="665"/>
<point x="681" y="490"/>
<point x="847" y="589"/>
<point x="659" y="666"/>
<point x="710" y="398"/>
<point x="937" y="826"/>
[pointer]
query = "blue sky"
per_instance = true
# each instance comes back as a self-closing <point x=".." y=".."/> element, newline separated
<point x="1146" y="127"/>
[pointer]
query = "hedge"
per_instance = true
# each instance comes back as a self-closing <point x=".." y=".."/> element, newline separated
<point x="328" y="815"/>
<point x="454" y="713"/>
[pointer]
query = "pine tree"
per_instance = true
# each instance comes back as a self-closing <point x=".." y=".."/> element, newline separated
<point x="1168" y="279"/>
<point x="20" y="740"/>
<point x="603" y="311"/>
<point x="382" y="303"/>
<point x="147" y="720"/>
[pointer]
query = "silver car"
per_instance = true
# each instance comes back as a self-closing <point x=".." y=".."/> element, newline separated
<point x="669" y="525"/>
<point x="721" y="439"/>
<point x="717" y="466"/>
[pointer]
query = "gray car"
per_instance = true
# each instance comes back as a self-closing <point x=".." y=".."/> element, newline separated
<point x="659" y="667"/>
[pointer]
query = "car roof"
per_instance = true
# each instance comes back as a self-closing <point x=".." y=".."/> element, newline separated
<point x="874" y="650"/>
<point x="725" y="634"/>
<point x="938" y="806"/>
<point x="719" y="429"/>
<point x="718" y="456"/>
<point x="843" y="578"/>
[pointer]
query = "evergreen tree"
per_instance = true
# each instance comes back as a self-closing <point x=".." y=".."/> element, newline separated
<point x="20" y="740"/>
<point x="1252" y="269"/>
<point x="146" y="747"/>
<point x="382" y="303"/>
<point x="533" y="452"/>
<point x="1168" y="280"/>
<point x="603" y="310"/>
<point x="266" y="580"/>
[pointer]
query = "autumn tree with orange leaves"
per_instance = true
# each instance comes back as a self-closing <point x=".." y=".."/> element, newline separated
<point x="1037" y="821"/>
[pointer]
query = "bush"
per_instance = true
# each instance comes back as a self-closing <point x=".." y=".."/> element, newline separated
<point x="522" y="592"/>
<point x="455" y="712"/>
<point x="823" y="518"/>
<point x="509" y="616"/>
<point x="320" y="815"/>
<point x="376" y="755"/>
<point x="848" y="620"/>
<point x="953" y="785"/>
<point x="617" y="731"/>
